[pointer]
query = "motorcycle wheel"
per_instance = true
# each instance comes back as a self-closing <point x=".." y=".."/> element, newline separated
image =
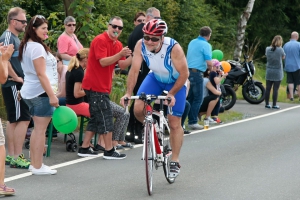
<point x="229" y="99"/>
<point x="254" y="95"/>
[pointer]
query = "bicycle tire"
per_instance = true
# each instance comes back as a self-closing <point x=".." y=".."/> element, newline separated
<point x="149" y="157"/>
<point x="167" y="153"/>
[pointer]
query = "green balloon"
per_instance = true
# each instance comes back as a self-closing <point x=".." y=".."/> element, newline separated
<point x="217" y="54"/>
<point x="64" y="119"/>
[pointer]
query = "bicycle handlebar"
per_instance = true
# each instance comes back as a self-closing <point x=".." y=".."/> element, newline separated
<point x="148" y="99"/>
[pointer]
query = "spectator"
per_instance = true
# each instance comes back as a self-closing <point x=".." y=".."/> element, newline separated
<point x="105" y="52"/>
<point x="67" y="43"/>
<point x="199" y="55"/>
<point x="5" y="55"/>
<point x="17" y="111"/>
<point x="274" y="71"/>
<point x="216" y="76"/>
<point x="292" y="63"/>
<point x="38" y="91"/>
<point x="135" y="128"/>
<point x="139" y="18"/>
<point x="62" y="70"/>
<point x="210" y="97"/>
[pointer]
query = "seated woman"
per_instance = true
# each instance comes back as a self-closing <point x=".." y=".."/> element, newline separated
<point x="61" y="70"/>
<point x="209" y="100"/>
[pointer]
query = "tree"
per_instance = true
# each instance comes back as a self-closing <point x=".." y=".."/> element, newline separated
<point x="241" y="29"/>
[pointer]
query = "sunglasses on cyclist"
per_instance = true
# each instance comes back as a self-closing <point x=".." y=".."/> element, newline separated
<point x="69" y="25"/>
<point x="140" y="20"/>
<point x="38" y="16"/>
<point x="153" y="39"/>
<point x="22" y="21"/>
<point x="116" y="26"/>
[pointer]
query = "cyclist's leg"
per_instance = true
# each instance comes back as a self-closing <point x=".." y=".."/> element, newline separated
<point x="149" y="86"/>
<point x="176" y="131"/>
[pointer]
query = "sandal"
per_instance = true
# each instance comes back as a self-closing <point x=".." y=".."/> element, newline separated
<point x="4" y="190"/>
<point x="127" y="145"/>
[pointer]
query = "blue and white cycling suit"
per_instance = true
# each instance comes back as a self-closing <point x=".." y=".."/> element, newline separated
<point x="163" y="74"/>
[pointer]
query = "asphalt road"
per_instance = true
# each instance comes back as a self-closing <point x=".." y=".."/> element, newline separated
<point x="255" y="158"/>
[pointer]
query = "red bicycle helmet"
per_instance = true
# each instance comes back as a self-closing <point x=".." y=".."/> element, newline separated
<point x="155" y="27"/>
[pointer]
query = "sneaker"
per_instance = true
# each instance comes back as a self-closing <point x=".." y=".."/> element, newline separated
<point x="174" y="169"/>
<point x="30" y="168"/>
<point x="113" y="156"/>
<point x="19" y="163"/>
<point x="211" y="121"/>
<point x="195" y="126"/>
<point x="44" y="170"/>
<point x="23" y="157"/>
<point x="87" y="152"/>
<point x="8" y="159"/>
<point x="119" y="146"/>
<point x="98" y="147"/>
<point x="186" y="131"/>
<point x="276" y="107"/>
<point x="268" y="106"/>
<point x="217" y="119"/>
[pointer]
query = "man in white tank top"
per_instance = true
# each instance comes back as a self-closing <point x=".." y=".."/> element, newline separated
<point x="166" y="60"/>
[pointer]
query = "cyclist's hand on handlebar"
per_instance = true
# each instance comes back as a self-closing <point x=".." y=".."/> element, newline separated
<point x="173" y="100"/>
<point x="122" y="100"/>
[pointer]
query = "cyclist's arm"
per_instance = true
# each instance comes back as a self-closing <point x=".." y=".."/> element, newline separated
<point x="180" y="64"/>
<point x="137" y="60"/>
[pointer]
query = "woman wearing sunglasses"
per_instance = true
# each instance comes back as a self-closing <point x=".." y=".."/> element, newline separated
<point x="39" y="88"/>
<point x="68" y="44"/>
<point x="139" y="18"/>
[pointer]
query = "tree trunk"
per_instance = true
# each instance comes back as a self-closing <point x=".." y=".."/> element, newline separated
<point x="241" y="30"/>
<point x="68" y="11"/>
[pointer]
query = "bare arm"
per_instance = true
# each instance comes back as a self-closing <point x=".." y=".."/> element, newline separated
<point x="40" y="68"/>
<point x="78" y="91"/>
<point x="180" y="64"/>
<point x="123" y="64"/>
<point x="6" y="54"/>
<point x="104" y="62"/>
<point x="209" y="64"/>
<point x="212" y="89"/>
<point x="65" y="56"/>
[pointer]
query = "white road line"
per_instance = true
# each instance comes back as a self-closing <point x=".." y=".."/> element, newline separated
<point x="72" y="162"/>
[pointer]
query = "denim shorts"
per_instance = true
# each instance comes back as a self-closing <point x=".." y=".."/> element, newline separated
<point x="40" y="107"/>
<point x="2" y="138"/>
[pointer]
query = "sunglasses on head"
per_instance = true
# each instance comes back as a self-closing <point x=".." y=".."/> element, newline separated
<point x="140" y="20"/>
<point x="22" y="21"/>
<point x="69" y="25"/>
<point x="116" y="26"/>
<point x="38" y="16"/>
<point x="153" y="39"/>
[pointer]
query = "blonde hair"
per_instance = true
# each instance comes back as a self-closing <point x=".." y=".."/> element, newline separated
<point x="276" y="42"/>
<point x="74" y="62"/>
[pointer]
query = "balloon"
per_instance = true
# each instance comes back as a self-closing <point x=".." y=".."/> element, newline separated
<point x="64" y="119"/>
<point x="217" y="54"/>
<point x="226" y="66"/>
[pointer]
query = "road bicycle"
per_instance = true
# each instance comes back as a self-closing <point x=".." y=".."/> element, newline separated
<point x="157" y="150"/>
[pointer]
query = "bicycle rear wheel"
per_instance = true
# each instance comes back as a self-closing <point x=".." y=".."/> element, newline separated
<point x="149" y="157"/>
<point x="167" y="153"/>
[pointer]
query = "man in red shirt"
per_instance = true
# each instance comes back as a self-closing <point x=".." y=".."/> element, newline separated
<point x="105" y="52"/>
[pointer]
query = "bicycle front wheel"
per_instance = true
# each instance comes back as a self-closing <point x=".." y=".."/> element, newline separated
<point x="167" y="155"/>
<point x="149" y="156"/>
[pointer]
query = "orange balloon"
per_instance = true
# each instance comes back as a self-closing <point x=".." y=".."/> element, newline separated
<point x="226" y="66"/>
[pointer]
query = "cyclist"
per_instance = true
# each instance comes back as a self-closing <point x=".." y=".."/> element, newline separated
<point x="166" y="60"/>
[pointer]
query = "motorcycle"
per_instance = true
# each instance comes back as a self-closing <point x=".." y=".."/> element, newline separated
<point x="228" y="96"/>
<point x="241" y="74"/>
